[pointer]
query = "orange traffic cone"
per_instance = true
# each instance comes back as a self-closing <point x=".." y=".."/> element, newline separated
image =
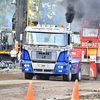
<point x="30" y="92"/>
<point x="75" y="95"/>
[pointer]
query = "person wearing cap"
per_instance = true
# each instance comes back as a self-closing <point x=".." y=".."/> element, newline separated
<point x="13" y="55"/>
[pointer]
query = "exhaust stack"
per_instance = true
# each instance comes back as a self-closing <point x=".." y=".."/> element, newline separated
<point x="68" y="26"/>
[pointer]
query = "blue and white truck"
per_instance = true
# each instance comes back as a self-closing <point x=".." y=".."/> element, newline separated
<point x="47" y="51"/>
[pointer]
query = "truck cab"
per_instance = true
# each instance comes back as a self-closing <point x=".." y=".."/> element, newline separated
<point x="7" y="41"/>
<point x="47" y="51"/>
<point x="89" y="49"/>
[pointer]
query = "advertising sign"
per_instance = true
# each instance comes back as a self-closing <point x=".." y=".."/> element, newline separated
<point x="92" y="43"/>
<point x="91" y="52"/>
<point x="77" y="53"/>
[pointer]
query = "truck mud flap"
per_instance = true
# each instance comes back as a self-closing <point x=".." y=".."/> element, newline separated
<point x="85" y="71"/>
<point x="98" y="71"/>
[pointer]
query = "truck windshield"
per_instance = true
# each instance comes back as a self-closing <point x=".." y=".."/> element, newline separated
<point x="45" y="39"/>
<point x="6" y="41"/>
<point x="87" y="32"/>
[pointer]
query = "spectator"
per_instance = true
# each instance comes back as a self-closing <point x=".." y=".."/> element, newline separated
<point x="13" y="55"/>
<point x="19" y="55"/>
<point x="19" y="58"/>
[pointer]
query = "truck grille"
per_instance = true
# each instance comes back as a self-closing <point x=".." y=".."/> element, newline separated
<point x="48" y="56"/>
<point x="41" y="70"/>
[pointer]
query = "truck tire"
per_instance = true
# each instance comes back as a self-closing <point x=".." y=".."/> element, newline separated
<point x="45" y="77"/>
<point x="69" y="76"/>
<point x="38" y="77"/>
<point x="28" y="75"/>
<point x="78" y="75"/>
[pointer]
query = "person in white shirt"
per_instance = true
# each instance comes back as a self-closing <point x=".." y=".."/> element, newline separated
<point x="13" y="54"/>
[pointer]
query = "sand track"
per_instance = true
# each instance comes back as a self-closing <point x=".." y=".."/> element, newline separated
<point x="13" y="86"/>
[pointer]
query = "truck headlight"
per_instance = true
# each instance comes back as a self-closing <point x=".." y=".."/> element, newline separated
<point x="26" y="65"/>
<point x="58" y="67"/>
<point x="61" y="66"/>
<point x="67" y="52"/>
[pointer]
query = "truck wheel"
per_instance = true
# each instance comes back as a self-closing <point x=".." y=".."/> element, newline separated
<point x="78" y="75"/>
<point x="45" y="77"/>
<point x="38" y="77"/>
<point x="69" y="76"/>
<point x="28" y="75"/>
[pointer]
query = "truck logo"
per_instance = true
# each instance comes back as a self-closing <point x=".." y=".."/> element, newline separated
<point x="43" y="56"/>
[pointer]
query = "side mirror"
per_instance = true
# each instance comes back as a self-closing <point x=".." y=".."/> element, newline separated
<point x="21" y="37"/>
<point x="72" y="39"/>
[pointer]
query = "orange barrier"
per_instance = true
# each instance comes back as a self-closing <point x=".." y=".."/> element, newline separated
<point x="75" y="95"/>
<point x="30" y="95"/>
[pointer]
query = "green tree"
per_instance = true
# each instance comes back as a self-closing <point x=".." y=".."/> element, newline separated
<point x="6" y="12"/>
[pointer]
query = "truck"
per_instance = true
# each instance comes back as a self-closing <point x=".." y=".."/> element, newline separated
<point x="7" y="41"/>
<point x="89" y="48"/>
<point x="47" y="51"/>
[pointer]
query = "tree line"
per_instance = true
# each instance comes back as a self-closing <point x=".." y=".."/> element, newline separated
<point x="6" y="13"/>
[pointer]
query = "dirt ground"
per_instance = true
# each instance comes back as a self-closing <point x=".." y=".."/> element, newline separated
<point x="13" y="86"/>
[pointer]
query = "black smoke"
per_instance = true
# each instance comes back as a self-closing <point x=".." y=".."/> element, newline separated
<point x="82" y="10"/>
<point x="70" y="14"/>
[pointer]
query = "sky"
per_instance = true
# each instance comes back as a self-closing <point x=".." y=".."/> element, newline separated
<point x="53" y="12"/>
<point x="50" y="12"/>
